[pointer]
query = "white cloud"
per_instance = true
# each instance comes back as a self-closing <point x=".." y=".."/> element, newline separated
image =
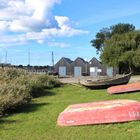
<point x="65" y="27"/>
<point x="3" y="25"/>
<point x="28" y="15"/>
<point x="62" y="21"/>
<point x="58" y="44"/>
<point x="41" y="8"/>
<point x="12" y="40"/>
<point x="32" y="20"/>
<point x="40" y="41"/>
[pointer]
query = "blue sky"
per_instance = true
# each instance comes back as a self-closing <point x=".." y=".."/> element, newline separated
<point x="62" y="26"/>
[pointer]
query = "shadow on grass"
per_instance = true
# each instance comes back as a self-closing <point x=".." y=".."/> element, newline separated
<point x="48" y="93"/>
<point x="38" y="92"/>
<point x="3" y="121"/>
<point x="29" y="108"/>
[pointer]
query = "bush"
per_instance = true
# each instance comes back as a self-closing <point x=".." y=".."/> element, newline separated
<point x="10" y="74"/>
<point x="13" y="95"/>
<point x="17" y="88"/>
<point x="39" y="83"/>
<point x="14" y="89"/>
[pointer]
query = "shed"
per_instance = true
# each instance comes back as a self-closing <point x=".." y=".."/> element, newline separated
<point x="63" y="67"/>
<point x="80" y="67"/>
<point x="96" y="67"/>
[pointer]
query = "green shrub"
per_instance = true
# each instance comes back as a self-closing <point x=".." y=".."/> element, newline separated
<point x="11" y="74"/>
<point x="17" y="88"/>
<point x="13" y="96"/>
<point x="14" y="90"/>
<point x="39" y="83"/>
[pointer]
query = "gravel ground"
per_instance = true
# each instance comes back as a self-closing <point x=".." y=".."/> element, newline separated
<point x="135" y="78"/>
<point x="78" y="79"/>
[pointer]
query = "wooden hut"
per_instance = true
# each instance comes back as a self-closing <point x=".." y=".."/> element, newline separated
<point x="80" y="67"/>
<point x="96" y="67"/>
<point x="63" y="67"/>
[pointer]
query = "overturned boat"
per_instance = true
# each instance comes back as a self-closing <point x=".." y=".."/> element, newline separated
<point x="132" y="87"/>
<point x="102" y="112"/>
<point x="104" y="83"/>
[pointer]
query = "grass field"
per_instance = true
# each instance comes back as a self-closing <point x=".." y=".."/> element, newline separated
<point x="37" y="121"/>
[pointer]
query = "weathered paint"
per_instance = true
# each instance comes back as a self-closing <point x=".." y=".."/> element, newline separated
<point x="124" y="88"/>
<point x="77" y="71"/>
<point x="62" y="71"/>
<point x="100" y="112"/>
<point x="110" y="71"/>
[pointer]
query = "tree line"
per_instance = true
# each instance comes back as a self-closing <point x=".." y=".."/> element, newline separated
<point x="119" y="46"/>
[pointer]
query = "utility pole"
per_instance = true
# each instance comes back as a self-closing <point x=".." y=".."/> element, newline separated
<point x="6" y="57"/>
<point x="53" y="61"/>
<point x="29" y="56"/>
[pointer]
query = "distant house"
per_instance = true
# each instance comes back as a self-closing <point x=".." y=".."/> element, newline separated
<point x="35" y="69"/>
<point x="80" y="67"/>
<point x="5" y="65"/>
<point x="96" y="67"/>
<point x="63" y="67"/>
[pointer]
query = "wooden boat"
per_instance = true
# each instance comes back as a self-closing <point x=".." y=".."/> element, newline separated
<point x="102" y="112"/>
<point x="132" y="87"/>
<point x="104" y="83"/>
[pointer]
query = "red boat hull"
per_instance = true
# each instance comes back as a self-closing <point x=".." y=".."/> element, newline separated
<point x="100" y="113"/>
<point x="124" y="88"/>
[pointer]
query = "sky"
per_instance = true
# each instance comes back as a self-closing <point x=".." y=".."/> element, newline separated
<point x="36" y="28"/>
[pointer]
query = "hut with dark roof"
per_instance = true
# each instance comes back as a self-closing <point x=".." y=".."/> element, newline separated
<point x="63" y="67"/>
<point x="96" y="67"/>
<point x="80" y="67"/>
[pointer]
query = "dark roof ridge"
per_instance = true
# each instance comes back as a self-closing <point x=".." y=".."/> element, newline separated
<point x="67" y="59"/>
<point x="81" y="59"/>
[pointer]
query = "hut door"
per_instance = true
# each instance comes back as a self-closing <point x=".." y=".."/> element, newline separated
<point x="93" y="71"/>
<point x="77" y="71"/>
<point x="109" y="71"/>
<point x="62" y="71"/>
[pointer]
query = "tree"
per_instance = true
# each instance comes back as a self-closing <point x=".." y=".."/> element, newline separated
<point x="106" y="33"/>
<point x="101" y="36"/>
<point x="122" y="28"/>
<point x="122" y="49"/>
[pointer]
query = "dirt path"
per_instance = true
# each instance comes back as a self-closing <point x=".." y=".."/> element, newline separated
<point x="78" y="79"/>
<point x="135" y="78"/>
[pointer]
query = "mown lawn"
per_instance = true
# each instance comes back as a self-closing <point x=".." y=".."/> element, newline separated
<point x="37" y="121"/>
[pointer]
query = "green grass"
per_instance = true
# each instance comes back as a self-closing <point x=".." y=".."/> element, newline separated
<point x="37" y="121"/>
